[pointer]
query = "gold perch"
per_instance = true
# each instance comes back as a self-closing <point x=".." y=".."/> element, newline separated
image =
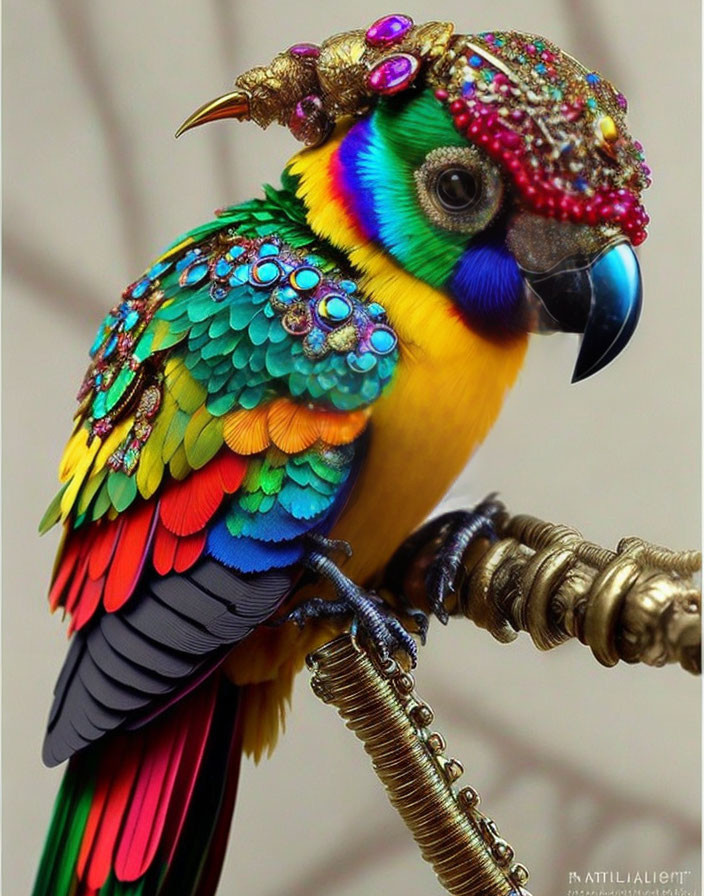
<point x="379" y="704"/>
<point x="639" y="603"/>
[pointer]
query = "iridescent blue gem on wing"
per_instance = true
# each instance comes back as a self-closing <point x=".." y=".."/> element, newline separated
<point x="194" y="274"/>
<point x="334" y="309"/>
<point x="383" y="340"/>
<point x="110" y="347"/>
<point x="361" y="363"/>
<point x="305" y="278"/>
<point x="315" y="341"/>
<point x="187" y="259"/>
<point x="287" y="294"/>
<point x="234" y="252"/>
<point x="218" y="292"/>
<point x="268" y="249"/>
<point x="156" y="270"/>
<point x="241" y="275"/>
<point x="141" y="288"/>
<point x="131" y="318"/>
<point x="264" y="273"/>
<point x="99" y="337"/>
<point x="99" y="405"/>
<point x="222" y="268"/>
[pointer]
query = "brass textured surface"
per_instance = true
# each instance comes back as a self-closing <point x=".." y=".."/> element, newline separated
<point x="638" y="604"/>
<point x="379" y="704"/>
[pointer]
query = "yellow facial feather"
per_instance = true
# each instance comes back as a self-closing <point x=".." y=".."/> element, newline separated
<point x="447" y="390"/>
<point x="446" y="393"/>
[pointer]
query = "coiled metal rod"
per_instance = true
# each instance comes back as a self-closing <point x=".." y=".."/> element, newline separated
<point x="379" y="704"/>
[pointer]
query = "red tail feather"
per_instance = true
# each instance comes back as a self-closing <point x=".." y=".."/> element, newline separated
<point x="146" y="782"/>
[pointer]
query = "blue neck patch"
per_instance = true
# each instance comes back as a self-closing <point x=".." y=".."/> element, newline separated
<point x="487" y="286"/>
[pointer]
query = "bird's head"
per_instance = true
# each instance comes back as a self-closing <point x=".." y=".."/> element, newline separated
<point x="493" y="167"/>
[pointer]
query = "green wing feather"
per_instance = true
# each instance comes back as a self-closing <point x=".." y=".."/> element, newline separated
<point x="243" y="310"/>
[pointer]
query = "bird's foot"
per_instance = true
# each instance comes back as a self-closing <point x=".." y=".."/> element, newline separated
<point x="371" y="616"/>
<point x="456" y="531"/>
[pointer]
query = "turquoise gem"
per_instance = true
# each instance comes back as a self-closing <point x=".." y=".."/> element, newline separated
<point x="375" y="310"/>
<point x="361" y="363"/>
<point x="97" y="342"/>
<point x="186" y="260"/>
<point x="383" y="340"/>
<point x="195" y="274"/>
<point x="591" y="102"/>
<point x="157" y="269"/>
<point x="222" y="268"/>
<point x="110" y="347"/>
<point x="348" y="286"/>
<point x="141" y="288"/>
<point x="99" y="407"/>
<point x="268" y="249"/>
<point x="305" y="279"/>
<point x="334" y="308"/>
<point x="264" y="273"/>
<point x="287" y="295"/>
<point x="241" y="275"/>
<point x="131" y="319"/>
<point x="234" y="252"/>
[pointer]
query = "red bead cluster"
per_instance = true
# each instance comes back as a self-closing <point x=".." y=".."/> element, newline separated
<point x="484" y="127"/>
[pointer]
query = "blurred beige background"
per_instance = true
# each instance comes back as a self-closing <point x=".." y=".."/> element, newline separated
<point x="582" y="767"/>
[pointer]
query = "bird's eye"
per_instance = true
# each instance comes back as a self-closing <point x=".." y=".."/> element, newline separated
<point x="457" y="189"/>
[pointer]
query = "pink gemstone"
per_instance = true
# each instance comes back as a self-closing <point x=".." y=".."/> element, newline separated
<point x="393" y="74"/>
<point x="309" y="121"/>
<point x="388" y="30"/>
<point x="510" y="139"/>
<point x="304" y="50"/>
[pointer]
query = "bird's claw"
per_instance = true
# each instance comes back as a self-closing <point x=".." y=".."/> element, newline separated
<point x="371" y="615"/>
<point x="384" y="631"/>
<point x="421" y="621"/>
<point x="457" y="531"/>
<point x="331" y="545"/>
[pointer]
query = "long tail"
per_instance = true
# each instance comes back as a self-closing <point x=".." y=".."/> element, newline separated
<point x="148" y="813"/>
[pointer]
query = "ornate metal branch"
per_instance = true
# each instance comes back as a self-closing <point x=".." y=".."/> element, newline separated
<point x="639" y="603"/>
<point x="379" y="704"/>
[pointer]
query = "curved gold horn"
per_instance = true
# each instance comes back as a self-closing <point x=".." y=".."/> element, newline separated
<point x="308" y="88"/>
<point x="231" y="105"/>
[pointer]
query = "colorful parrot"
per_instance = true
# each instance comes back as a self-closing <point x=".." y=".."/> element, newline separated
<point x="308" y="372"/>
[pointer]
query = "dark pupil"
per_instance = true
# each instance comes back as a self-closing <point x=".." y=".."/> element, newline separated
<point x="457" y="189"/>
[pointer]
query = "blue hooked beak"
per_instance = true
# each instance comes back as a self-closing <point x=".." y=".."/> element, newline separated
<point x="600" y="296"/>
